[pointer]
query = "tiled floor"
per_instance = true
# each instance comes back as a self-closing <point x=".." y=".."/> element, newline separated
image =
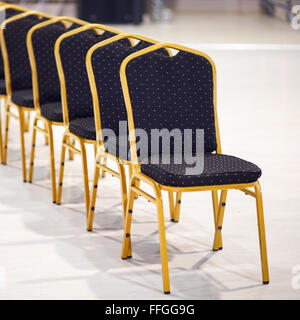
<point x="45" y="251"/>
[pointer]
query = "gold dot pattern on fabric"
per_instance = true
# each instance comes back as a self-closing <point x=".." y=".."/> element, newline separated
<point x="15" y="35"/>
<point x="8" y="14"/>
<point x="43" y="42"/>
<point x="106" y="63"/>
<point x="219" y="169"/>
<point x="173" y="93"/>
<point x="73" y="53"/>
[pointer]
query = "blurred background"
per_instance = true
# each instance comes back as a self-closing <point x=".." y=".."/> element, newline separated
<point x="186" y="21"/>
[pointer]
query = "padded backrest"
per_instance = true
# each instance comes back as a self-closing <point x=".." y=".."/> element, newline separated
<point x="15" y="38"/>
<point x="173" y="93"/>
<point x="73" y="51"/>
<point x="8" y="14"/>
<point x="43" y="43"/>
<point x="106" y="63"/>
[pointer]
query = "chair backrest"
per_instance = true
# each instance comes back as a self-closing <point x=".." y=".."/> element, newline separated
<point x="9" y="12"/>
<point x="41" y="43"/>
<point x="176" y="92"/>
<point x="14" y="50"/>
<point x="106" y="59"/>
<point x="71" y="51"/>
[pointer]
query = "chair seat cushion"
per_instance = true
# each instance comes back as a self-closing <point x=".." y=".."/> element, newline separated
<point x="219" y="169"/>
<point x="84" y="128"/>
<point x="52" y="111"/>
<point x="23" y="98"/>
<point x="2" y="87"/>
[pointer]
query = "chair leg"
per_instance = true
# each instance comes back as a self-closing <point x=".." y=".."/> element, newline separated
<point x="162" y="234"/>
<point x="163" y="245"/>
<point x="85" y="177"/>
<point x="123" y="186"/>
<point x="95" y="149"/>
<point x="7" y="116"/>
<point x="48" y="127"/>
<point x="137" y="183"/>
<point x="32" y="153"/>
<point x="91" y="214"/>
<point x="27" y="121"/>
<point x="262" y="236"/>
<point x="61" y="170"/>
<point x="171" y="206"/>
<point x="71" y="153"/>
<point x="219" y="225"/>
<point x="103" y="174"/>
<point x="22" y="138"/>
<point x="215" y="201"/>
<point x="177" y="207"/>
<point x="46" y="138"/>
<point x="126" y="249"/>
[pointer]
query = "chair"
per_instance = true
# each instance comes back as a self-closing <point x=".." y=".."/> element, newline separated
<point x="18" y="73"/>
<point x="182" y="90"/>
<point x="70" y="52"/>
<point x="103" y="64"/>
<point x="10" y="11"/>
<point x="46" y="87"/>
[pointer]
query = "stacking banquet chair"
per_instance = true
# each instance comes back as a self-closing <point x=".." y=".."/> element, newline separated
<point x="18" y="72"/>
<point x="103" y="64"/>
<point x="70" y="52"/>
<point x="41" y="41"/>
<point x="9" y="11"/>
<point x="180" y="92"/>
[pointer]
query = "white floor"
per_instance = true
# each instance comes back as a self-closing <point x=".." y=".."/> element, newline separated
<point x="45" y="252"/>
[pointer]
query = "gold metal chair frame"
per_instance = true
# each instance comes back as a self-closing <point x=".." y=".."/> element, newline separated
<point x="102" y="154"/>
<point x="47" y="131"/>
<point x="219" y="206"/>
<point x="68" y="136"/>
<point x="9" y="103"/>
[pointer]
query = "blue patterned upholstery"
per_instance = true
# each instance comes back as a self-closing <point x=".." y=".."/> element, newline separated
<point x="173" y="93"/>
<point x="84" y="128"/>
<point x="23" y="98"/>
<point x="8" y="14"/>
<point x="43" y="42"/>
<point x="219" y="169"/>
<point x="73" y="53"/>
<point x="106" y="63"/>
<point x="15" y="38"/>
<point x="2" y="87"/>
<point x="52" y="111"/>
<point x="177" y="93"/>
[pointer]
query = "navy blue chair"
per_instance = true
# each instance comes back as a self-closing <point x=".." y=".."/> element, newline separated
<point x="18" y="73"/>
<point x="179" y="93"/>
<point x="70" y="51"/>
<point x="103" y="64"/>
<point x="41" y="41"/>
<point x="10" y="11"/>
